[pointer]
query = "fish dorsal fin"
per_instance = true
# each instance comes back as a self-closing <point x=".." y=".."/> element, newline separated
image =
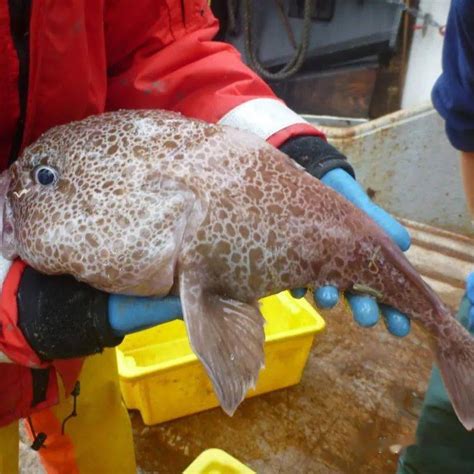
<point x="227" y="336"/>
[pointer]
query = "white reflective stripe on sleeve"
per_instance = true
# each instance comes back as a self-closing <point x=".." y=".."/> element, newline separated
<point x="4" y="267"/>
<point x="263" y="117"/>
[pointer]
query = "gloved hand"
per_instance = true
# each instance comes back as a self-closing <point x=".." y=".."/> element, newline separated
<point x="470" y="297"/>
<point x="364" y="309"/>
<point x="64" y="318"/>
<point x="129" y="314"/>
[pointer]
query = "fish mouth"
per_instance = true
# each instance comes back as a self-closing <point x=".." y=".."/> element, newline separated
<point x="7" y="231"/>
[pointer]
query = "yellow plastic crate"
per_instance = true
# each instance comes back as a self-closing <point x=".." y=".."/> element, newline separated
<point x="216" y="461"/>
<point x="162" y="378"/>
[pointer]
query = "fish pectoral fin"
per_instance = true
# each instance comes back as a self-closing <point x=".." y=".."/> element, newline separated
<point x="228" y="337"/>
<point x="178" y="212"/>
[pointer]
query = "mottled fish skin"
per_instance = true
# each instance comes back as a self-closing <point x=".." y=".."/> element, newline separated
<point x="150" y="202"/>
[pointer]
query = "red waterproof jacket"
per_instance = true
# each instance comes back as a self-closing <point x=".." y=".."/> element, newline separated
<point x="64" y="60"/>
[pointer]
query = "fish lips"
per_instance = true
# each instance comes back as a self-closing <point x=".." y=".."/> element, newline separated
<point x="7" y="230"/>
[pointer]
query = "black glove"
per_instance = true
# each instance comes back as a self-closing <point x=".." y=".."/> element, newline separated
<point x="62" y="318"/>
<point x="316" y="155"/>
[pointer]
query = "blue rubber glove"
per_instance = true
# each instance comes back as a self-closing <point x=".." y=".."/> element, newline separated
<point x="470" y="297"/>
<point x="129" y="314"/>
<point x="365" y="309"/>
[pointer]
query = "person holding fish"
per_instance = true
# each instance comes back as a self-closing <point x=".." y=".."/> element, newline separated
<point x="442" y="444"/>
<point x="63" y="62"/>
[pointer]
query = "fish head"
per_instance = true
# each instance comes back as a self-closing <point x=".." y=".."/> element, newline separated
<point x="80" y="201"/>
<point x="15" y="184"/>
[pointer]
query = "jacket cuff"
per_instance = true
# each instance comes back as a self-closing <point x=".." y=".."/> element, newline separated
<point x="294" y="131"/>
<point x="316" y="155"/>
<point x="62" y="318"/>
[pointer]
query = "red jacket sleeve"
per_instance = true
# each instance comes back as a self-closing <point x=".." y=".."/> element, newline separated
<point x="12" y="342"/>
<point x="163" y="56"/>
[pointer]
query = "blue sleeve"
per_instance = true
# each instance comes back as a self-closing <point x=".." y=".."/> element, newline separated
<point x="453" y="93"/>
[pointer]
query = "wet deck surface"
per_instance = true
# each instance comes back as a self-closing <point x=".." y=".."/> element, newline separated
<point x="359" y="396"/>
<point x="357" y="403"/>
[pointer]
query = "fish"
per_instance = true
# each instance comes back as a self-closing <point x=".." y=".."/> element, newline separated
<point x="154" y="203"/>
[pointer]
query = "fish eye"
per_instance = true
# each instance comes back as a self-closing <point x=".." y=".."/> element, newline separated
<point x="45" y="175"/>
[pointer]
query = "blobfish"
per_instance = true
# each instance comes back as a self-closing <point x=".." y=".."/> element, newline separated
<point x="152" y="203"/>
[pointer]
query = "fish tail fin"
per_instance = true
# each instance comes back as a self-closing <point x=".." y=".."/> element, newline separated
<point x="456" y="362"/>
